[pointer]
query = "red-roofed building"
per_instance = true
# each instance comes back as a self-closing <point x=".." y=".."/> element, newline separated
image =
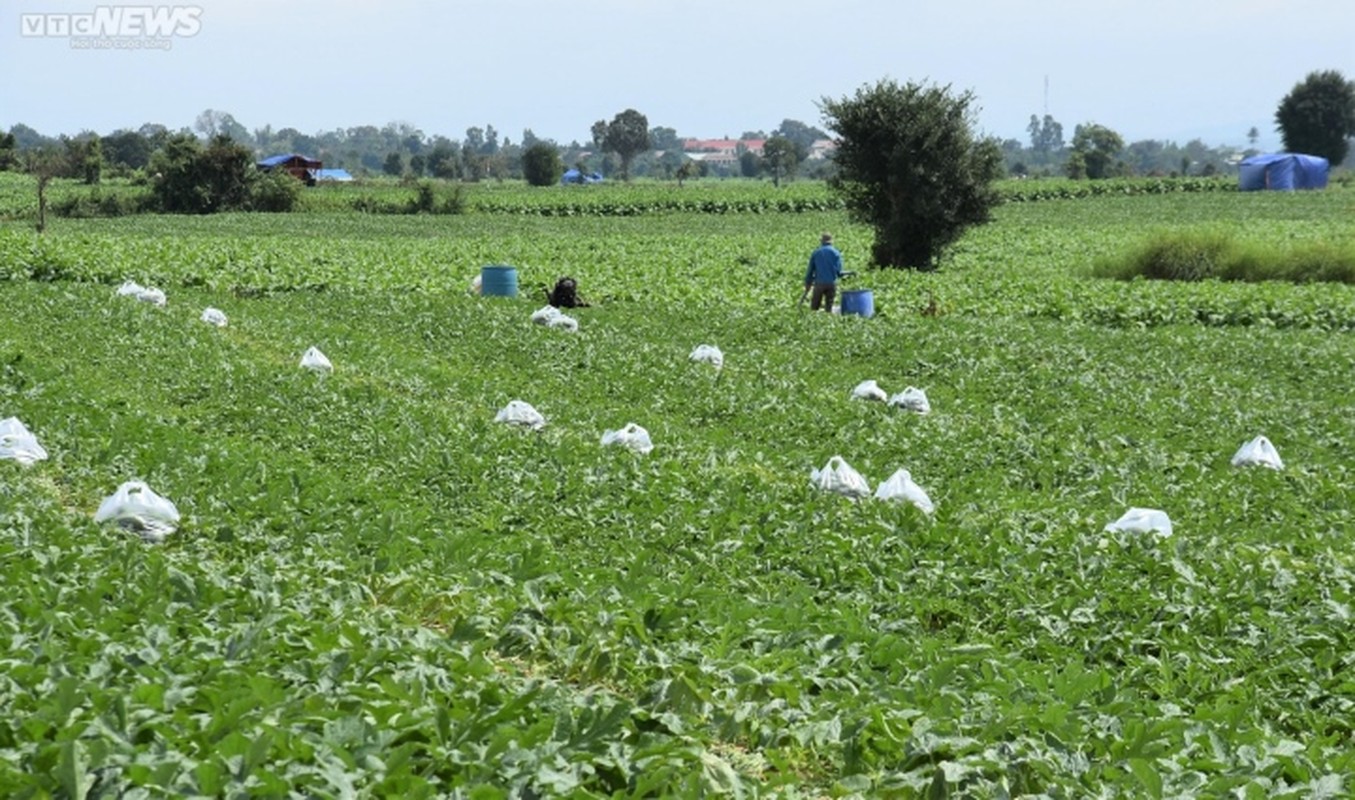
<point x="726" y="151"/>
<point x="821" y="148"/>
<point x="722" y="146"/>
<point x="720" y="151"/>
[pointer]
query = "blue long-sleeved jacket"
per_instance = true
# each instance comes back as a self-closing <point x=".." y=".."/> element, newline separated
<point x="825" y="265"/>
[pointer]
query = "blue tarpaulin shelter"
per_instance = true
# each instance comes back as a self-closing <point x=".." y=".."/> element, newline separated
<point x="1284" y="171"/>
<point x="574" y="176"/>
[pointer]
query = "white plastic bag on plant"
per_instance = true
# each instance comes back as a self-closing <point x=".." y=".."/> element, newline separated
<point x="708" y="354"/>
<point x="868" y="390"/>
<point x="838" y="476"/>
<point x="152" y="296"/>
<point x="563" y="322"/>
<point x="1258" y="452"/>
<point x="131" y="288"/>
<point x="631" y="436"/>
<point x="135" y="507"/>
<point x="214" y="316"/>
<point x="912" y="399"/>
<point x="18" y="443"/>
<point x="315" y="360"/>
<point x="1143" y="520"/>
<point x="518" y="412"/>
<point x="543" y="315"/>
<point x="900" y="486"/>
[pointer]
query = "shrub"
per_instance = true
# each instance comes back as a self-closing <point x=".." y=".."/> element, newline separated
<point x="275" y="191"/>
<point x="97" y="203"/>
<point x="1174" y="256"/>
<point x="366" y="204"/>
<point x="191" y="179"/>
<point x="1248" y="264"/>
<point x="1320" y="262"/>
<point x="426" y="200"/>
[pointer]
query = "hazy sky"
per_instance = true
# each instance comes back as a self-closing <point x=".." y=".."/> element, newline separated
<point x="1149" y="69"/>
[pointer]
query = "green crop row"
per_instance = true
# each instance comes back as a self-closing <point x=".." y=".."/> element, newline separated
<point x="605" y="208"/>
<point x="1027" y="191"/>
<point x="813" y="197"/>
<point x="18" y="197"/>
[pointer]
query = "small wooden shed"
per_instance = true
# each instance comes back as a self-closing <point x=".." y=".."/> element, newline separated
<point x="295" y="164"/>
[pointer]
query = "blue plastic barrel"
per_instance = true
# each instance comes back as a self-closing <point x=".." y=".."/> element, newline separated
<point x="858" y="301"/>
<point x="498" y="281"/>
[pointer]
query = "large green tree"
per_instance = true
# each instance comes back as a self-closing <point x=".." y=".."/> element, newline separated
<point x="212" y="124"/>
<point x="1095" y="150"/>
<point x="803" y="136"/>
<point x="542" y="165"/>
<point x="780" y="156"/>
<point x="1046" y="137"/>
<point x="444" y="158"/>
<point x="127" y="148"/>
<point x="749" y="162"/>
<point x="1317" y="117"/>
<point x="911" y="166"/>
<point x="688" y="169"/>
<point x="627" y="135"/>
<point x="9" y="153"/>
<point x="661" y="138"/>
<point x="91" y="159"/>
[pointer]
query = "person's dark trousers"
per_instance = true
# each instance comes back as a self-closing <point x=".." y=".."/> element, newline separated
<point x="823" y="293"/>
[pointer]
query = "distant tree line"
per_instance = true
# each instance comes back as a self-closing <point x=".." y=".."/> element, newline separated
<point x="1316" y="117"/>
<point x="1095" y="151"/>
<point x="625" y="146"/>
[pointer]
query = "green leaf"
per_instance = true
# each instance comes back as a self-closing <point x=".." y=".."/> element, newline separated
<point x="939" y="788"/>
<point x="210" y="777"/>
<point x="1147" y="774"/>
<point x="718" y="777"/>
<point x="73" y="770"/>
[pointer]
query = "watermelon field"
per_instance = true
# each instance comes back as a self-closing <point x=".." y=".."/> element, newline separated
<point x="377" y="590"/>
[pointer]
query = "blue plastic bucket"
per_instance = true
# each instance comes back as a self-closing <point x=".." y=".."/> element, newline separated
<point x="858" y="301"/>
<point x="498" y="281"/>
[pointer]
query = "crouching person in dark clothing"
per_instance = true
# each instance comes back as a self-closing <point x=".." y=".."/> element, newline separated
<point x="565" y="294"/>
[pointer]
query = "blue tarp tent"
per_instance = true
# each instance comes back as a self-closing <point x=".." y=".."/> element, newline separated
<point x="574" y="176"/>
<point x="1285" y="171"/>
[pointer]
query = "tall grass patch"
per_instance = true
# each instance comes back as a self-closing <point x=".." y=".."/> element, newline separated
<point x="1200" y="254"/>
<point x="1320" y="262"/>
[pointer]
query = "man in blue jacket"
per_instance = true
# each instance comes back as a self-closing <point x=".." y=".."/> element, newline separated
<point x="825" y="267"/>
